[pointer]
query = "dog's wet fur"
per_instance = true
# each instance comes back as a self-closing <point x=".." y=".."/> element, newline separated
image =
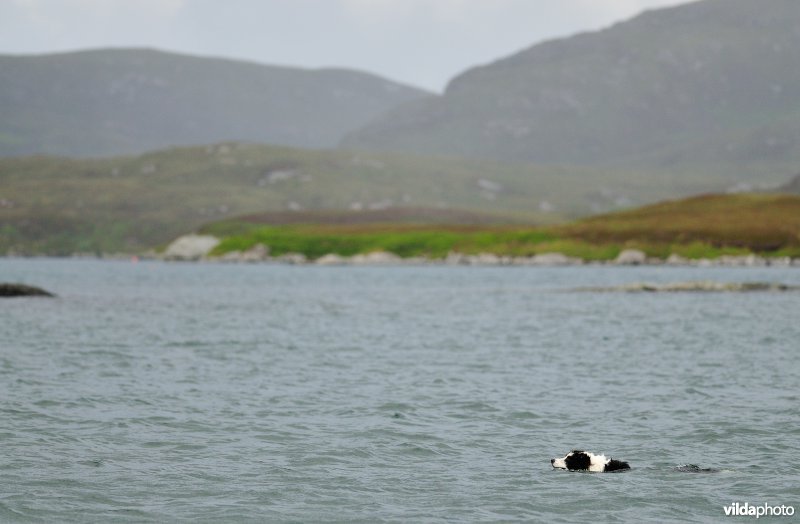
<point x="579" y="460"/>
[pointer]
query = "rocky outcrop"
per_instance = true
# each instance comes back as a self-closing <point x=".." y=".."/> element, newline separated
<point x="291" y="258"/>
<point x="490" y="259"/>
<point x="21" y="290"/>
<point x="376" y="258"/>
<point x="191" y="247"/>
<point x="481" y="259"/>
<point x="677" y="260"/>
<point x="257" y="253"/>
<point x="631" y="257"/>
<point x="548" y="259"/>
<point x="696" y="286"/>
<point x="331" y="259"/>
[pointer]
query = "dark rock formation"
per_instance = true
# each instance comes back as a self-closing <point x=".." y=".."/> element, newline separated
<point x="21" y="290"/>
<point x="702" y="286"/>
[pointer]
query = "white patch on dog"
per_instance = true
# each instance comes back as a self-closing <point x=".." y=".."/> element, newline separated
<point x="578" y="460"/>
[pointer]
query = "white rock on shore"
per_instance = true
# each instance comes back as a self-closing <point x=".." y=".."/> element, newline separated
<point x="257" y="253"/>
<point x="550" y="259"/>
<point x="631" y="257"/>
<point x="191" y="247"/>
<point x="331" y="259"/>
<point x="376" y="258"/>
<point x="677" y="260"/>
<point x="292" y="258"/>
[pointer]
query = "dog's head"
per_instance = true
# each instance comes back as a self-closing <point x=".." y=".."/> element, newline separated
<point x="575" y="460"/>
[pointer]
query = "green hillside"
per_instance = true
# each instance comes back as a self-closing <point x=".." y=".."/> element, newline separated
<point x="711" y="85"/>
<point x="109" y="102"/>
<point x="700" y="227"/>
<point x="51" y="205"/>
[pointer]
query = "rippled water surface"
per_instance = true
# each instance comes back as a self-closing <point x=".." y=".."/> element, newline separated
<point x="164" y="392"/>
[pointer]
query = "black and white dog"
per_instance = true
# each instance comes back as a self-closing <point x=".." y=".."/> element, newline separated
<point x="577" y="460"/>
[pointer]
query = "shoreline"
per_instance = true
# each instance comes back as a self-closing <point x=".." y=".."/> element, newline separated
<point x="492" y="260"/>
<point x="628" y="258"/>
<point x="202" y="247"/>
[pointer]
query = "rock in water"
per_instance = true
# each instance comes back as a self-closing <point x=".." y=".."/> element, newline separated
<point x="21" y="290"/>
<point x="702" y="286"/>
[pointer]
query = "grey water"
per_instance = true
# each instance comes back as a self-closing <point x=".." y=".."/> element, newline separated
<point x="156" y="392"/>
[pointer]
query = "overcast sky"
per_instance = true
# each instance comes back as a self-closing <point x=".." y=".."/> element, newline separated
<point x="420" y="42"/>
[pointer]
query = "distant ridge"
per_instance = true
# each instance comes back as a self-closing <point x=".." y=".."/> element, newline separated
<point x="127" y="101"/>
<point x="707" y="84"/>
<point x="793" y="186"/>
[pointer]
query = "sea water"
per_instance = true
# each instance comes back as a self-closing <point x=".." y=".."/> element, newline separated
<point x="155" y="392"/>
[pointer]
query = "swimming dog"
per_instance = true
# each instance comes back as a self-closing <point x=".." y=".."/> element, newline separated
<point x="578" y="460"/>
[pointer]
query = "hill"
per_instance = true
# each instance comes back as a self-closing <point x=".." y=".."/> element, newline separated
<point x="711" y="85"/>
<point x="126" y="101"/>
<point x="707" y="226"/>
<point x="57" y="206"/>
<point x="763" y="223"/>
<point x="793" y="186"/>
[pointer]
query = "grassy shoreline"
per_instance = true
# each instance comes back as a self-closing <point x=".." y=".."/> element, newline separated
<point x="704" y="227"/>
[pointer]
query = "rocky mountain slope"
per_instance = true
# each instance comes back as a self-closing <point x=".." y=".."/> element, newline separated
<point x="793" y="186"/>
<point x="706" y="85"/>
<point x="108" y="102"/>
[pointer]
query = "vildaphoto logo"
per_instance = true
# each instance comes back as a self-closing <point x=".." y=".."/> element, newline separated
<point x="737" y="509"/>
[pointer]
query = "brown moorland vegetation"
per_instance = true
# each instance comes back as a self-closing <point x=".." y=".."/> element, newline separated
<point x="756" y="222"/>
